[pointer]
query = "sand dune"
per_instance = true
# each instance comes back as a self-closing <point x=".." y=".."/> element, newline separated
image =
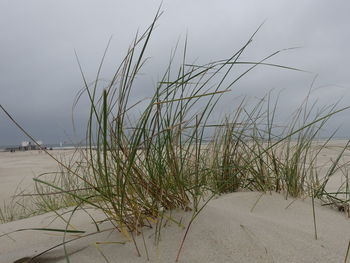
<point x="226" y="231"/>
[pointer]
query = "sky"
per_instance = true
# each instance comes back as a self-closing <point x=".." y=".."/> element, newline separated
<point x="39" y="74"/>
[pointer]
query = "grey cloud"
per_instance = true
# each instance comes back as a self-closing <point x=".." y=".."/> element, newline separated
<point x="39" y="76"/>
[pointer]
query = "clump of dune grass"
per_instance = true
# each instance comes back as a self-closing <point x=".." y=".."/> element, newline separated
<point x="250" y="151"/>
<point x="10" y="211"/>
<point x="339" y="198"/>
<point x="134" y="170"/>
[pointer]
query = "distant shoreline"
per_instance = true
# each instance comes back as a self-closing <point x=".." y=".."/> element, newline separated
<point x="72" y="147"/>
<point x="48" y="147"/>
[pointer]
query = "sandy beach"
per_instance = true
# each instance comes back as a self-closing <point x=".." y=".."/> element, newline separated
<point x="17" y="170"/>
<point x="237" y="227"/>
<point x="226" y="231"/>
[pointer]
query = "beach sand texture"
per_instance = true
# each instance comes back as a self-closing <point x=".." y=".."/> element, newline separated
<point x="226" y="231"/>
<point x="17" y="170"/>
<point x="231" y="228"/>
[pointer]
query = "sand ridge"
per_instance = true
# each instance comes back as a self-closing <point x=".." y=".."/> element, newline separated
<point x="231" y="228"/>
<point x="226" y="231"/>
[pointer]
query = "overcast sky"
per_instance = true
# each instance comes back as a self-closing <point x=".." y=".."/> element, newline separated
<point x="39" y="76"/>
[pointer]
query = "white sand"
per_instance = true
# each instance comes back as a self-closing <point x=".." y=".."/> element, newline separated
<point x="225" y="231"/>
<point x="18" y="169"/>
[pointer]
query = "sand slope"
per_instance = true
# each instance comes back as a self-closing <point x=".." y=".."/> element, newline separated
<point x="225" y="231"/>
